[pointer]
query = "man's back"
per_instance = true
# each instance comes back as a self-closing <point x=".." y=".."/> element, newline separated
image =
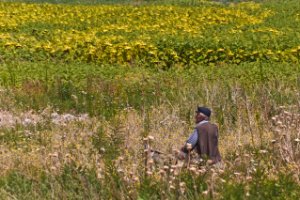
<point x="208" y="141"/>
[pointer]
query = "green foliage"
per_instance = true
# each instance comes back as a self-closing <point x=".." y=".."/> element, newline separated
<point x="284" y="187"/>
<point x="83" y="184"/>
<point x="151" y="189"/>
<point x="17" y="185"/>
<point x="104" y="90"/>
<point x="195" y="185"/>
<point x="108" y="144"/>
<point x="233" y="191"/>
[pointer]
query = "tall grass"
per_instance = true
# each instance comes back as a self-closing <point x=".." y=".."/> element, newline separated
<point x="103" y="157"/>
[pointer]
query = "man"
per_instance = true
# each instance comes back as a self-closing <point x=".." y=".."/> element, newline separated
<point x="204" y="138"/>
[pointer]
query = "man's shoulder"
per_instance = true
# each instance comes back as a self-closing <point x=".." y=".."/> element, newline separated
<point x="214" y="124"/>
<point x="207" y="125"/>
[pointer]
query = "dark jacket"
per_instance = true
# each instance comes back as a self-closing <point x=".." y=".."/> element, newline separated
<point x="208" y="142"/>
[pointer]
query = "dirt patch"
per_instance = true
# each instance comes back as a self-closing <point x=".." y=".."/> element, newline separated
<point x="10" y="119"/>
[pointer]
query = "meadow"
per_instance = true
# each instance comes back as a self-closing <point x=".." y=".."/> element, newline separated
<point x="86" y="84"/>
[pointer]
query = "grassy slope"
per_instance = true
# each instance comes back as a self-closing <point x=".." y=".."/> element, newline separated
<point x="216" y="33"/>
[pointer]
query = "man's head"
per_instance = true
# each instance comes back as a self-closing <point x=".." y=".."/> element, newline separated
<point x="202" y="113"/>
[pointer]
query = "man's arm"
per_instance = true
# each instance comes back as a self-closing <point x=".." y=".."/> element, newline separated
<point x="193" y="140"/>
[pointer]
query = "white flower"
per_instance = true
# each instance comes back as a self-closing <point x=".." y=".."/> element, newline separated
<point x="237" y="173"/>
<point x="263" y="151"/>
<point x="223" y="181"/>
<point x="182" y="184"/>
<point x="172" y="187"/>
<point x="149" y="173"/>
<point x="150" y="137"/>
<point x="27" y="121"/>
<point x="102" y="149"/>
<point x="273" y="141"/>
<point x="192" y="169"/>
<point x="150" y="161"/>
<point x="54" y="115"/>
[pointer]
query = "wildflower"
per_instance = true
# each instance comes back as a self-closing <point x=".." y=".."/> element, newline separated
<point x="202" y="171"/>
<point x="149" y="173"/>
<point x="74" y="97"/>
<point x="176" y="173"/>
<point x="27" y="121"/>
<point x="54" y="115"/>
<point x="263" y="151"/>
<point x="173" y="166"/>
<point x="135" y="179"/>
<point x="182" y="184"/>
<point x="63" y="137"/>
<point x="192" y="169"/>
<point x="150" y="137"/>
<point x="162" y="172"/>
<point x="55" y="154"/>
<point x="237" y="173"/>
<point x="223" y="181"/>
<point x="68" y="117"/>
<point x="102" y="150"/>
<point x="182" y="190"/>
<point x="99" y="175"/>
<point x="53" y="168"/>
<point x="246" y="155"/>
<point x="150" y="161"/>
<point x="182" y="187"/>
<point x="205" y="192"/>
<point x="27" y="133"/>
<point x="83" y="92"/>
<point x="277" y="130"/>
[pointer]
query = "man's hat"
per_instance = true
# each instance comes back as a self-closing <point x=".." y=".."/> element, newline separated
<point x="204" y="110"/>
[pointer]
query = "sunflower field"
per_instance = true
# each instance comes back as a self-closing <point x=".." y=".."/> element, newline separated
<point x="157" y="35"/>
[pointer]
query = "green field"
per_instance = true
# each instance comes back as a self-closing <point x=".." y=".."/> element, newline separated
<point x="83" y="83"/>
